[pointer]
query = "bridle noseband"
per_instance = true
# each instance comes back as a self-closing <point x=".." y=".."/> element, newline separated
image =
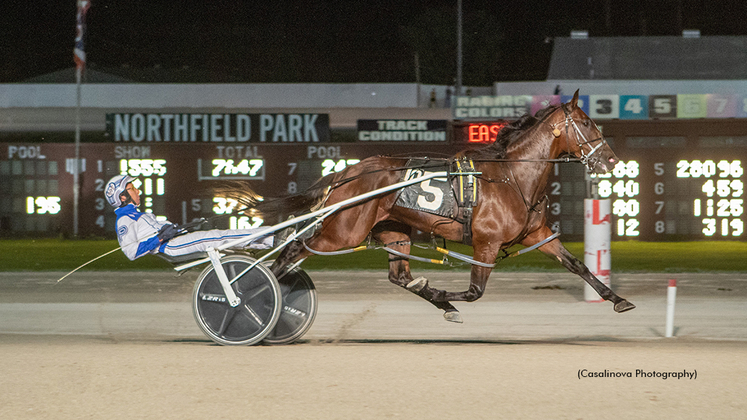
<point x="570" y="122"/>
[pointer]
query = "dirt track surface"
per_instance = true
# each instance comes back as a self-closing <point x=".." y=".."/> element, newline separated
<point x="79" y="377"/>
<point x="123" y="346"/>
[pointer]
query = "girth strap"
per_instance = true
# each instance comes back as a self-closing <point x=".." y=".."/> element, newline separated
<point x="467" y="194"/>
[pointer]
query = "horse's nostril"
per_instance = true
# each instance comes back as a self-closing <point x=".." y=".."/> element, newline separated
<point x="612" y="160"/>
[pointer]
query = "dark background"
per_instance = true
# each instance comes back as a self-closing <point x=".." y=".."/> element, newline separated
<point x="345" y="41"/>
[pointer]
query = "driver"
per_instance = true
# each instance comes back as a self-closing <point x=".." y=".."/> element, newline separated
<point x="140" y="233"/>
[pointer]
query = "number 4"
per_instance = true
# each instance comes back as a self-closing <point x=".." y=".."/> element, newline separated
<point x="634" y="105"/>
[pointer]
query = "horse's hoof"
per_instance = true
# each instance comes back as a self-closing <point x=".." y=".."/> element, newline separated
<point x="453" y="316"/>
<point x="417" y="285"/>
<point x="623" y="306"/>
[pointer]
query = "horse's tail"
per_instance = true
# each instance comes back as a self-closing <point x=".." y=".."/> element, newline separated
<point x="274" y="209"/>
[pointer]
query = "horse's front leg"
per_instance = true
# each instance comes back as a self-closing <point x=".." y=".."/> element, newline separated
<point x="556" y="250"/>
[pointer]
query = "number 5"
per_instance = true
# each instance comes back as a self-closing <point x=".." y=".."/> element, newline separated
<point x="662" y="106"/>
<point x="438" y="196"/>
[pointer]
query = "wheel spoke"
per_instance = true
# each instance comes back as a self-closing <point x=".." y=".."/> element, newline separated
<point x="231" y="272"/>
<point x="290" y="323"/>
<point x="292" y="286"/>
<point x="227" y="318"/>
<point x="252" y="316"/>
<point x="256" y="292"/>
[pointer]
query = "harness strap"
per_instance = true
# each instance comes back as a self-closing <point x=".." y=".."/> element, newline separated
<point x="401" y="255"/>
<point x="412" y="257"/>
<point x="537" y="245"/>
<point x="340" y="252"/>
<point x="462" y="257"/>
<point x="465" y="171"/>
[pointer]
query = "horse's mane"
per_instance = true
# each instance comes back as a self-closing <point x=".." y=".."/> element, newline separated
<point x="511" y="133"/>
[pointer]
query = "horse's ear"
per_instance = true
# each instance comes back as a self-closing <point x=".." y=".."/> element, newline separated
<point x="574" y="102"/>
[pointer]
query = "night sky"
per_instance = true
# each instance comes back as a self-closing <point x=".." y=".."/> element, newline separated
<point x="334" y="40"/>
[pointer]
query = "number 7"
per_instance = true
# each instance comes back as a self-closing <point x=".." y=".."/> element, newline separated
<point x="720" y="105"/>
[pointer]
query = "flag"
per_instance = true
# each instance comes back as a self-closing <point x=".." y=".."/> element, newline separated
<point x="79" y="53"/>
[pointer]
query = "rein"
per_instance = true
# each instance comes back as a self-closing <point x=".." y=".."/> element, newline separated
<point x="581" y="140"/>
<point x="434" y="165"/>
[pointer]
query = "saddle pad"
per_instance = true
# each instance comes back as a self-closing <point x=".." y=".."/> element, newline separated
<point x="433" y="195"/>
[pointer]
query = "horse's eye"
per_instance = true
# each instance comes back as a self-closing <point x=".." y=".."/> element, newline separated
<point x="586" y="123"/>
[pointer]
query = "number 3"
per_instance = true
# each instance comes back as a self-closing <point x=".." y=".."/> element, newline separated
<point x="604" y="106"/>
<point x="555" y="209"/>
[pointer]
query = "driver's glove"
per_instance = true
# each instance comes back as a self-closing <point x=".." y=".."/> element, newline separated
<point x="167" y="232"/>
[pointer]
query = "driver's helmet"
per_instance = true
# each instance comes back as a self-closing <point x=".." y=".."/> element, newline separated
<point x="115" y="188"/>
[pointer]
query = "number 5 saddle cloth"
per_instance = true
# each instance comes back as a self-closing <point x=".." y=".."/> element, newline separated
<point x="453" y="196"/>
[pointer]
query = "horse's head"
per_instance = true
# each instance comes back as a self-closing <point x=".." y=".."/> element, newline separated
<point x="583" y="139"/>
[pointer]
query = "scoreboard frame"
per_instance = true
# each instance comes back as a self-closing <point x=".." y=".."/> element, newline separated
<point x="36" y="191"/>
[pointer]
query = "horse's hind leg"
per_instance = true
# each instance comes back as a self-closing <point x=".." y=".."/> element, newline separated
<point x="292" y="252"/>
<point x="397" y="236"/>
<point x="556" y="250"/>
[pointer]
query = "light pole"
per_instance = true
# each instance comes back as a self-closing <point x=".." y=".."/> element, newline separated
<point x="458" y="87"/>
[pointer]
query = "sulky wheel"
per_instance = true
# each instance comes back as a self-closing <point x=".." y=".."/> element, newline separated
<point x="250" y="321"/>
<point x="299" y="308"/>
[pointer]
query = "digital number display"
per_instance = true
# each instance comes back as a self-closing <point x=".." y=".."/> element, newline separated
<point x="331" y="166"/>
<point x="228" y="206"/>
<point x="477" y="132"/>
<point x="660" y="200"/>
<point x="483" y="133"/>
<point x="622" y="187"/>
<point x="43" y="205"/>
<point x="143" y="167"/>
<point x="224" y="205"/>
<point x="247" y="169"/>
<point x="32" y="188"/>
<point x="721" y="207"/>
<point x="244" y="222"/>
<point x="149" y="174"/>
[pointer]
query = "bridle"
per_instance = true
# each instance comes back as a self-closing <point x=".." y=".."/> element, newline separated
<point x="580" y="138"/>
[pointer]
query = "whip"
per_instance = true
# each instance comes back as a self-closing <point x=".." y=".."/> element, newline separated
<point x="100" y="256"/>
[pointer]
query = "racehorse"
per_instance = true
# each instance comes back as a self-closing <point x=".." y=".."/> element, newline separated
<point x="511" y="208"/>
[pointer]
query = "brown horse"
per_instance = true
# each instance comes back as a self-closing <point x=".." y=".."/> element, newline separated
<point x="511" y="206"/>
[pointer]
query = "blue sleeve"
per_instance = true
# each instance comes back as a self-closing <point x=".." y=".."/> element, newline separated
<point x="147" y="246"/>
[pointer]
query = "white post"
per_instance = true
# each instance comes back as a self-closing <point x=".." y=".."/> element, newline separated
<point x="671" y="296"/>
<point x="76" y="166"/>
<point x="597" y="238"/>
